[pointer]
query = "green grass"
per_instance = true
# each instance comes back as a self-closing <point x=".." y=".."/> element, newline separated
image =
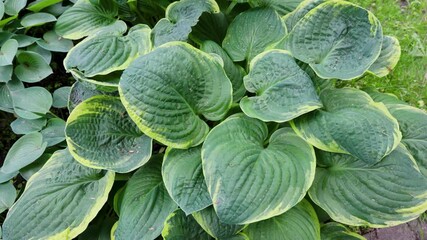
<point x="406" y="20"/>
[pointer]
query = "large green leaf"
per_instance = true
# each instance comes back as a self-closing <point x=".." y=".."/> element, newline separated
<point x="353" y="192"/>
<point x="35" y="166"/>
<point x="180" y="17"/>
<point x="118" y="52"/>
<point x="350" y="122"/>
<point x="210" y="222"/>
<point x="32" y="67"/>
<point x="7" y="196"/>
<point x="234" y="71"/>
<point x="106" y="83"/>
<point x="167" y="89"/>
<point x="12" y="7"/>
<point x="299" y="222"/>
<point x="52" y="42"/>
<point x="306" y="6"/>
<point x="146" y="204"/>
<point x="8" y="51"/>
<point x="178" y="226"/>
<point x="333" y="231"/>
<point x="81" y="91"/>
<point x="101" y="135"/>
<point x="349" y="40"/>
<point x="389" y="56"/>
<point x="23" y="152"/>
<point x="53" y="133"/>
<point x="88" y="17"/>
<point x="283" y="90"/>
<point x="184" y="180"/>
<point x="281" y="6"/>
<point x="32" y="102"/>
<point x="67" y="195"/>
<point x="24" y="126"/>
<point x="251" y="32"/>
<point x="37" y="19"/>
<point x="210" y="27"/>
<point x="255" y="178"/>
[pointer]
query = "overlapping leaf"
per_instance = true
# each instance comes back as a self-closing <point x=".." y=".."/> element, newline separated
<point x="333" y="231"/>
<point x="179" y="226"/>
<point x="32" y="67"/>
<point x="389" y="56"/>
<point x="32" y="102"/>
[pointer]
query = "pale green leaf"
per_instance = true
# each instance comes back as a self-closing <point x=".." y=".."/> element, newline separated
<point x="41" y="4"/>
<point x="52" y="42"/>
<point x="166" y="91"/>
<point x="47" y="55"/>
<point x="60" y="97"/>
<point x="334" y="231"/>
<point x="146" y="204"/>
<point x="32" y="102"/>
<point x="283" y="90"/>
<point x="8" y="51"/>
<point x="24" y="126"/>
<point x="184" y="180"/>
<point x="13" y="7"/>
<point x="23" y="152"/>
<point x="179" y="226"/>
<point x="24" y="40"/>
<point x="353" y="192"/>
<point x="6" y="90"/>
<point x="6" y="73"/>
<point x="81" y="91"/>
<point x="281" y="6"/>
<point x="389" y="56"/>
<point x="54" y="132"/>
<point x="37" y="19"/>
<point x="1" y="16"/>
<point x="7" y="195"/>
<point x="306" y="6"/>
<point x="63" y="186"/>
<point x="4" y="177"/>
<point x="257" y="177"/>
<point x="101" y="135"/>
<point x="34" y="167"/>
<point x="350" y="122"/>
<point x="32" y="67"/>
<point x="251" y="32"/>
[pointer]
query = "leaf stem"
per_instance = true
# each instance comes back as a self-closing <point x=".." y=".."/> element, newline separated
<point x="230" y="7"/>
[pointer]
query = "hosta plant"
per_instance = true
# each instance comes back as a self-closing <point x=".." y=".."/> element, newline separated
<point x="212" y="119"/>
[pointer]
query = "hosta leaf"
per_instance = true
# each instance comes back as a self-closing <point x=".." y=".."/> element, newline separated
<point x="388" y="193"/>
<point x="24" y="40"/>
<point x="7" y="195"/>
<point x="250" y="181"/>
<point x="146" y="204"/>
<point x="251" y="32"/>
<point x="389" y="56"/>
<point x="319" y="83"/>
<point x="1" y="16"/>
<point x="349" y="40"/>
<point x="52" y="42"/>
<point x="210" y="222"/>
<point x="333" y="231"/>
<point x="299" y="222"/>
<point x="41" y="4"/>
<point x="23" y="152"/>
<point x="306" y="6"/>
<point x="37" y="19"/>
<point x="34" y="167"/>
<point x="89" y="17"/>
<point x="47" y="55"/>
<point x="106" y="83"/>
<point x="53" y="133"/>
<point x="281" y="6"/>
<point x="283" y="90"/>
<point x="8" y="51"/>
<point x="118" y="52"/>
<point x="413" y="125"/>
<point x="73" y="192"/>
<point x="32" y="67"/>
<point x="24" y="126"/>
<point x="210" y="27"/>
<point x="32" y="102"/>
<point x="6" y="90"/>
<point x="180" y="17"/>
<point x="234" y="71"/>
<point x="6" y="73"/>
<point x="350" y="122"/>
<point x="179" y="226"/>
<point x="4" y="177"/>
<point x="60" y="97"/>
<point x="184" y="180"/>
<point x="12" y="7"/>
<point x="101" y="135"/>
<point x="167" y="89"/>
<point x="386" y="98"/>
<point x="81" y="91"/>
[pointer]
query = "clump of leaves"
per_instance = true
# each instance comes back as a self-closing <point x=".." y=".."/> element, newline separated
<point x="209" y="119"/>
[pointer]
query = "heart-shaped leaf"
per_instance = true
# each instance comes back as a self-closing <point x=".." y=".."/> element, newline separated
<point x="6" y="73"/>
<point x="349" y="40"/>
<point x="24" y="126"/>
<point x="8" y="51"/>
<point x="7" y="195"/>
<point x="47" y="55"/>
<point x="180" y="17"/>
<point x="251" y="32"/>
<point x="65" y="187"/>
<point x="6" y="90"/>
<point x="283" y="90"/>
<point x="60" y="97"/>
<point x="350" y="122"/>
<point x="333" y="231"/>
<point x="118" y="52"/>
<point x="299" y="222"/>
<point x="23" y="152"/>
<point x="12" y="7"/>
<point x="24" y="40"/>
<point x="167" y="89"/>
<point x="250" y="181"/>
<point x="101" y="135"/>
<point x="37" y="19"/>
<point x="184" y="180"/>
<point x="388" y="193"/>
<point x="389" y="56"/>
<point x="293" y="17"/>
<point x="52" y="42"/>
<point x="32" y="102"/>
<point x="180" y="226"/>
<point x="146" y="204"/>
<point x="32" y="67"/>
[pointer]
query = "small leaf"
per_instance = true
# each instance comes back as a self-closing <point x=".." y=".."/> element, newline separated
<point x="60" y="97"/>
<point x="37" y="19"/>
<point x="146" y="204"/>
<point x="1" y="16"/>
<point x="32" y="102"/>
<point x="24" y="40"/>
<point x="7" y="195"/>
<point x="12" y="7"/>
<point x="47" y="55"/>
<point x="52" y="42"/>
<point x="63" y="186"/>
<point x="166" y="91"/>
<point x="180" y="226"/>
<point x="184" y="180"/>
<point x="24" y="126"/>
<point x="28" y="171"/>
<point x="6" y="90"/>
<point x="389" y="56"/>
<point x="54" y="132"/>
<point x="32" y="67"/>
<point x="23" y="152"/>
<point x="101" y="135"/>
<point x="283" y="90"/>
<point x="251" y="182"/>
<point x="251" y="32"/>
<point x="6" y="73"/>
<point x="8" y="51"/>
<point x="333" y="231"/>
<point x="37" y="6"/>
